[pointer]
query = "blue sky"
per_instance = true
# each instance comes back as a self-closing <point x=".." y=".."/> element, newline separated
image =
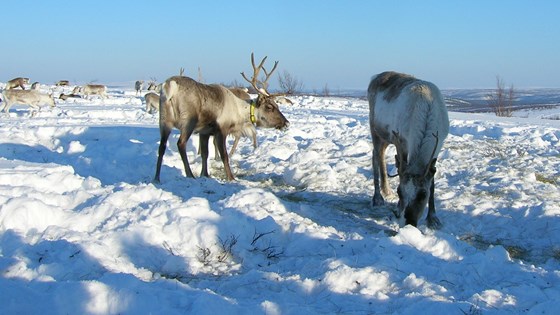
<point x="455" y="44"/>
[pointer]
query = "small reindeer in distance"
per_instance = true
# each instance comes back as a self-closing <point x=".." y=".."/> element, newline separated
<point x="91" y="89"/>
<point x="138" y="86"/>
<point x="63" y="83"/>
<point x="17" y="82"/>
<point x="33" y="98"/>
<point x="152" y="102"/>
<point x="153" y="86"/>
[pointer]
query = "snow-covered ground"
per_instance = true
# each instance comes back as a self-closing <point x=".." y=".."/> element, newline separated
<point x="83" y="230"/>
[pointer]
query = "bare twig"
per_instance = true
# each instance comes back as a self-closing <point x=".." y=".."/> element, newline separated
<point x="257" y="235"/>
<point x="227" y="247"/>
<point x="168" y="248"/>
<point x="204" y="255"/>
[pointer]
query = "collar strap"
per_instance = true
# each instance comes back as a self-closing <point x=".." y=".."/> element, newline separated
<point x="252" y="111"/>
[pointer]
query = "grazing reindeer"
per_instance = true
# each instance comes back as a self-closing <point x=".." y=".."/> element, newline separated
<point x="64" y="97"/>
<point x="17" y="82"/>
<point x="210" y="110"/>
<point x="152" y="102"/>
<point x="410" y="114"/>
<point x="33" y="98"/>
<point x="138" y="86"/>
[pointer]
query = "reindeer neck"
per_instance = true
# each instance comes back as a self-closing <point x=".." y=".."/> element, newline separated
<point x="252" y="106"/>
<point x="249" y="108"/>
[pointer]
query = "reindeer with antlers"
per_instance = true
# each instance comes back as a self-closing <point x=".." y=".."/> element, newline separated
<point x="261" y="88"/>
<point x="410" y="114"/>
<point x="210" y="110"/>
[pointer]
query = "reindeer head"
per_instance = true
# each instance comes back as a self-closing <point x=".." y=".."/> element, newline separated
<point x="415" y="187"/>
<point x="266" y="112"/>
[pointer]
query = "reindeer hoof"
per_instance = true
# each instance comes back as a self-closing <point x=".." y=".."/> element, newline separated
<point x="434" y="223"/>
<point x="377" y="201"/>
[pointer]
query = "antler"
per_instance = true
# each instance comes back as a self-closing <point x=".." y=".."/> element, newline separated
<point x="267" y="76"/>
<point x="400" y="151"/>
<point x="436" y="135"/>
<point x="255" y="79"/>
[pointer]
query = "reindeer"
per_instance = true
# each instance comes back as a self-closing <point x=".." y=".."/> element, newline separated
<point x="64" y="97"/>
<point x="17" y="82"/>
<point x="153" y="86"/>
<point x="94" y="89"/>
<point x="35" y="86"/>
<point x="152" y="102"/>
<point x="63" y="83"/>
<point x="248" y="130"/>
<point x="33" y="98"/>
<point x="138" y="86"/>
<point x="210" y="110"/>
<point x="410" y="114"/>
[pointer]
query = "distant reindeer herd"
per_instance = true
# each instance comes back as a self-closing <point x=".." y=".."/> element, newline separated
<point x="403" y="111"/>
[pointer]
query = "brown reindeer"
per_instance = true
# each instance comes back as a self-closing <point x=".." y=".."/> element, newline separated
<point x="152" y="102"/>
<point x="65" y="97"/>
<point x="17" y="82"/>
<point x="154" y="86"/>
<point x="210" y="110"/>
<point x="33" y="98"/>
<point x="261" y="87"/>
<point x="93" y="89"/>
<point x="63" y="83"/>
<point x="248" y="130"/>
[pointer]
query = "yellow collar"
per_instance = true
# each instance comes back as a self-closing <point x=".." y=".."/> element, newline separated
<point x="252" y="112"/>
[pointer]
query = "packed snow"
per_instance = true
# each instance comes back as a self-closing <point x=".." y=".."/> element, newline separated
<point x="83" y="230"/>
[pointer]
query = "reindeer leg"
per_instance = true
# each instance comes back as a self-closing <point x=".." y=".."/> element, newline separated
<point x="7" y="106"/>
<point x="385" y="189"/>
<point x="234" y="147"/>
<point x="164" y="131"/>
<point x="182" y="146"/>
<point x="221" y="139"/>
<point x="217" y="156"/>
<point x="203" y="147"/>
<point x="378" y="163"/>
<point x="433" y="221"/>
<point x="254" y="136"/>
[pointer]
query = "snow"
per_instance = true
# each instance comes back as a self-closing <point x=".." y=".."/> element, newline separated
<point x="83" y="230"/>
